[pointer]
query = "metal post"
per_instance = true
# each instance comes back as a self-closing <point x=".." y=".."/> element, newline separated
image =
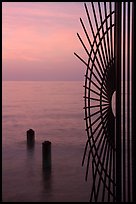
<point x="133" y="112"/>
<point x="124" y="103"/>
<point x="128" y="104"/>
<point x="118" y="98"/>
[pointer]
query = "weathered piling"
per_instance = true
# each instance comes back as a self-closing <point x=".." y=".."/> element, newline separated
<point x="30" y="137"/>
<point x="46" y="154"/>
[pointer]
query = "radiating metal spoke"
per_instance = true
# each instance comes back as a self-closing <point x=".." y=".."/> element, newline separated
<point x="109" y="68"/>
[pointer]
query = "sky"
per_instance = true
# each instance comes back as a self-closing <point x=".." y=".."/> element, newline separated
<point x="39" y="40"/>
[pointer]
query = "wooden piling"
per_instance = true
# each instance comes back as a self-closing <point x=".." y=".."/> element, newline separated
<point x="46" y="154"/>
<point x="30" y="137"/>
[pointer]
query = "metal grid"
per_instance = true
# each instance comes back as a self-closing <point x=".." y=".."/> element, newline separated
<point x="106" y="69"/>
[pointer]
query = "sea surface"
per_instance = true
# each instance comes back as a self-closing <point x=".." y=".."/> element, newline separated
<point x="54" y="110"/>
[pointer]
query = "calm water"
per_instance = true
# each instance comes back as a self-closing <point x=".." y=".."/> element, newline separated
<point x="55" y="111"/>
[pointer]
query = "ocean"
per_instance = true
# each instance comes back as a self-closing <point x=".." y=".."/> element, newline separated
<point x="54" y="110"/>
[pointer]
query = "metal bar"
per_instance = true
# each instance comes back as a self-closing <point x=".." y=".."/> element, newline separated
<point x="83" y="44"/>
<point x="103" y="31"/>
<point x="100" y="173"/>
<point x="112" y="12"/>
<point x="106" y="169"/>
<point x="102" y="91"/>
<point x="99" y="39"/>
<point x="88" y="68"/>
<point x="93" y="34"/>
<point x="107" y="29"/>
<point x="104" y="79"/>
<point x="90" y="121"/>
<point x="105" y="159"/>
<point x="95" y="55"/>
<point x="100" y="83"/>
<point x="98" y="34"/>
<point x="92" y="133"/>
<point x="86" y="113"/>
<point x="128" y="100"/>
<point x="93" y="75"/>
<point x="106" y="186"/>
<point x="98" y="118"/>
<point x="93" y="64"/>
<point x="99" y="136"/>
<point x="101" y="141"/>
<point x="99" y="125"/>
<point x="118" y="99"/>
<point x="95" y="99"/>
<point x="111" y="180"/>
<point x="87" y="102"/>
<point x="87" y="168"/>
<point x="111" y="31"/>
<point x="100" y="42"/>
<point x="89" y="154"/>
<point x="93" y="138"/>
<point x="95" y="113"/>
<point x="95" y="92"/>
<point x="85" y="152"/>
<point x="114" y="152"/>
<point x="133" y="110"/>
<point x="80" y="59"/>
<point x="91" y="46"/>
<point x="98" y="29"/>
<point x="96" y="150"/>
<point x="98" y="146"/>
<point x="86" y="32"/>
<point x="110" y="169"/>
<point x="89" y="20"/>
<point x="102" y="164"/>
<point x="88" y="53"/>
<point x="124" y="125"/>
<point x="95" y="106"/>
<point x="93" y="187"/>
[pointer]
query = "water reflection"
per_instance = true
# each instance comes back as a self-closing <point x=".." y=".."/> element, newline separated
<point x="30" y="146"/>
<point x="47" y="179"/>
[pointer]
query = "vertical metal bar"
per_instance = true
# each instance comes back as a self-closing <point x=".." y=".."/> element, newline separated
<point x="105" y="9"/>
<point x="118" y="98"/>
<point x="114" y="149"/>
<point x="133" y="113"/>
<point x="110" y="168"/>
<point x="111" y="32"/>
<point x="124" y="125"/>
<point x="128" y="102"/>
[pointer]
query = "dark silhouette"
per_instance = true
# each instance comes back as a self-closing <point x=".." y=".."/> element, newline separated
<point x="46" y="155"/>
<point x="30" y="138"/>
<point x="109" y="138"/>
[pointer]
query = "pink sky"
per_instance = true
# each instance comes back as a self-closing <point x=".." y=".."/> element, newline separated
<point x="39" y="40"/>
